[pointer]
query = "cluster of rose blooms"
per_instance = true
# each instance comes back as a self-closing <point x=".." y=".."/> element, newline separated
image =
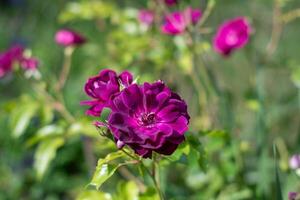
<point x="16" y="56"/>
<point x="232" y="34"/>
<point x="146" y="117"/>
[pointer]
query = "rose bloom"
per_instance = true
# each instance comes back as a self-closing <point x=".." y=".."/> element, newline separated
<point x="147" y="118"/>
<point x="192" y="15"/>
<point x="10" y="57"/>
<point x="170" y="2"/>
<point x="231" y="35"/>
<point x="102" y="87"/>
<point x="146" y="17"/>
<point x="66" y="37"/>
<point x="295" y="162"/>
<point x="177" y="22"/>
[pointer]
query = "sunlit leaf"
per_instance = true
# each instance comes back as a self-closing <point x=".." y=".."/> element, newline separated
<point x="105" y="169"/>
<point x="127" y="190"/>
<point x="86" y="10"/>
<point x="150" y="194"/>
<point x="46" y="132"/>
<point x="21" y="116"/>
<point x="93" y="195"/>
<point x="45" y="153"/>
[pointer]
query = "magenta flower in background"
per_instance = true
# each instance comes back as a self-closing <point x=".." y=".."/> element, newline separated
<point x="231" y="35"/>
<point x="146" y="17"/>
<point x="170" y="2"/>
<point x="192" y="16"/>
<point x="295" y="162"/>
<point x="66" y="37"/>
<point x="15" y="55"/>
<point x="147" y="118"/>
<point x="29" y="63"/>
<point x="5" y="64"/>
<point x="292" y="195"/>
<point x="175" y="23"/>
<point x="102" y="87"/>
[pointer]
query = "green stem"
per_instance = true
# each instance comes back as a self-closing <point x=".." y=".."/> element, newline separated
<point x="65" y="68"/>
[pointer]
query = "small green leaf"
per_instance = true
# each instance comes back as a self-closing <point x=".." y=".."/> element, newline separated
<point x="197" y="152"/>
<point x="93" y="195"/>
<point x="45" y="132"/>
<point x="104" y="169"/>
<point x="127" y="191"/>
<point x="150" y="194"/>
<point x="45" y="153"/>
<point x="21" y="117"/>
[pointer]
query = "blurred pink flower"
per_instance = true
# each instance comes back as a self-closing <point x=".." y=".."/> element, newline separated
<point x="231" y="35"/>
<point x="146" y="17"/>
<point x="295" y="162"/>
<point x="29" y="63"/>
<point x="192" y="15"/>
<point x="67" y="37"/>
<point x="170" y="2"/>
<point x="15" y="55"/>
<point x="177" y="22"/>
<point x="292" y="195"/>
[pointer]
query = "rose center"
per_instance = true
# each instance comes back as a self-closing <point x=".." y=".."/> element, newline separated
<point x="147" y="118"/>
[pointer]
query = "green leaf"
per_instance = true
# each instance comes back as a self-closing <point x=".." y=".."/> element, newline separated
<point x="20" y="118"/>
<point x="104" y="169"/>
<point x="45" y="153"/>
<point x="93" y="195"/>
<point x="128" y="190"/>
<point x="197" y="152"/>
<point x="45" y="132"/>
<point x="150" y="194"/>
<point x="86" y="10"/>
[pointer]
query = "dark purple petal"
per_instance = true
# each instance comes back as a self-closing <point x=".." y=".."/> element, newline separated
<point x="126" y="78"/>
<point x="148" y="118"/>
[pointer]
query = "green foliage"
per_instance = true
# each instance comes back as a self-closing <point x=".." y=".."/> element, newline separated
<point x="105" y="169"/>
<point x="45" y="153"/>
<point x="49" y="148"/>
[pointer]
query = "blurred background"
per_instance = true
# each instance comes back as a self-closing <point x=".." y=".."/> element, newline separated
<point x="244" y="104"/>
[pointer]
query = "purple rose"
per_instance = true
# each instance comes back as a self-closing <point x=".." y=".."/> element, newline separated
<point x="66" y="37"/>
<point x="146" y="17"/>
<point x="175" y="24"/>
<point x="292" y="195"/>
<point x="148" y="118"/>
<point x="192" y="15"/>
<point x="295" y="162"/>
<point x="170" y="2"/>
<point x="102" y="87"/>
<point x="231" y="35"/>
